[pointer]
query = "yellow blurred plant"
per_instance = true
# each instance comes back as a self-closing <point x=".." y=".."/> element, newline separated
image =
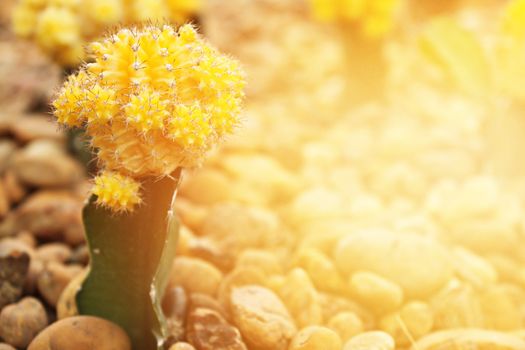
<point x="479" y="67"/>
<point x="373" y="18"/>
<point x="63" y="27"/>
<point x="153" y="100"/>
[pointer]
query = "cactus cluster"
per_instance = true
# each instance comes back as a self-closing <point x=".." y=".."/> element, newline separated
<point x="153" y="100"/>
<point x="372" y="18"/>
<point x="62" y="27"/>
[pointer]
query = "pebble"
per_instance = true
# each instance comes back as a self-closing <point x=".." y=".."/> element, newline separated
<point x="457" y="306"/>
<point x="412" y="322"/>
<point x="376" y="340"/>
<point x="262" y="259"/>
<point x="394" y="256"/>
<point x="204" y="248"/>
<point x="4" y="201"/>
<point x="262" y="318"/>
<point x="35" y="267"/>
<point x="321" y="270"/>
<point x="48" y="215"/>
<point x="28" y="75"/>
<point x="196" y="275"/>
<point x="316" y="338"/>
<point x="375" y="292"/>
<point x="335" y="304"/>
<point x="180" y="346"/>
<point x="67" y="304"/>
<point x="198" y="300"/>
<point x="34" y="127"/>
<point x="301" y="298"/>
<point x="474" y="269"/>
<point x="175" y="307"/>
<point x="53" y="279"/>
<point x="240" y="276"/>
<point x="81" y="333"/>
<point x="208" y="330"/>
<point x="261" y="174"/>
<point x="80" y="255"/>
<point x="27" y="238"/>
<point x="501" y="306"/>
<point x="43" y="163"/>
<point x="14" y="266"/>
<point x="7" y="149"/>
<point x="347" y="324"/>
<point x="58" y="252"/>
<point x="194" y="187"/>
<point x="13" y="187"/>
<point x="190" y="213"/>
<point x="21" y="322"/>
<point x="243" y="226"/>
<point x="470" y="339"/>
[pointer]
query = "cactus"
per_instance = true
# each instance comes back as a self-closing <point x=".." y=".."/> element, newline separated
<point x="62" y="27"/>
<point x="154" y="101"/>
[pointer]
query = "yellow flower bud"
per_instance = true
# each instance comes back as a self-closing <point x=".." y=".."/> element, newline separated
<point x="116" y="192"/>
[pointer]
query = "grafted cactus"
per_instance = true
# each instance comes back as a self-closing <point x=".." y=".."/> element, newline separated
<point x="153" y="102"/>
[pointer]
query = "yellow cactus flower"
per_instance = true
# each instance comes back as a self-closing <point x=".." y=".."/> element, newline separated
<point x="105" y="11"/>
<point x="153" y="100"/>
<point x="116" y="192"/>
<point x="62" y="27"/>
<point x="24" y="20"/>
<point x="373" y="18"/>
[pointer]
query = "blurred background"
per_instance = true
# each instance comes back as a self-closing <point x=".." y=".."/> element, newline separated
<point x="382" y="137"/>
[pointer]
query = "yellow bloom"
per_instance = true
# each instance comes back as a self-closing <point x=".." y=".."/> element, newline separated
<point x="116" y="192"/>
<point x="153" y="100"/>
<point x="373" y="18"/>
<point x="62" y="27"/>
<point x="57" y="26"/>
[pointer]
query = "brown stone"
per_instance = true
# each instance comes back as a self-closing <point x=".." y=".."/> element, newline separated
<point x="27" y="238"/>
<point x="33" y="127"/>
<point x="208" y="330"/>
<point x="4" y="201"/>
<point x="67" y="304"/>
<point x="43" y="163"/>
<point x="14" y="188"/>
<point x="262" y="318"/>
<point x="199" y="300"/>
<point x="7" y="149"/>
<point x="14" y="265"/>
<point x="49" y="215"/>
<point x="54" y="278"/>
<point x="80" y="255"/>
<point x="175" y="306"/>
<point x="35" y="268"/>
<point x="21" y="322"/>
<point x="178" y="346"/>
<point x="58" y="252"/>
<point x="81" y="333"/>
<point x="28" y="76"/>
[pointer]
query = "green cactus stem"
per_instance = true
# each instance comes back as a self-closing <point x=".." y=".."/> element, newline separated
<point x="131" y="256"/>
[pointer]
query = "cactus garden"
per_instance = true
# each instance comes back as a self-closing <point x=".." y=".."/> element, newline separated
<point x="262" y="175"/>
